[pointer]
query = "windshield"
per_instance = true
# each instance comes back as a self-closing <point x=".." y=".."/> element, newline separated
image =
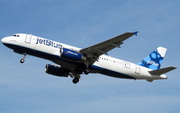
<point x="16" y="35"/>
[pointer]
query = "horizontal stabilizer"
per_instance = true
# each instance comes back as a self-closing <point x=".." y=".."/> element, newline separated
<point x="162" y="71"/>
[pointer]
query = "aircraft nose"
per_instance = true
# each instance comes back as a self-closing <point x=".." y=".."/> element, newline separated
<point x="3" y="40"/>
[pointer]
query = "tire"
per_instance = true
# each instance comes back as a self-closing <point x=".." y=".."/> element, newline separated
<point x="22" y="61"/>
<point x="75" y="80"/>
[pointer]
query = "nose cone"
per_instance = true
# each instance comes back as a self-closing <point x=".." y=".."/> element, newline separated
<point x="3" y="40"/>
<point x="7" y="42"/>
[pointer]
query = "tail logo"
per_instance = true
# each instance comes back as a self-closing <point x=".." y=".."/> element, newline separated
<point x="152" y="63"/>
<point x="154" y="60"/>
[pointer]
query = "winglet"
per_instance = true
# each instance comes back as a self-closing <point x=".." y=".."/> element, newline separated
<point x="136" y="33"/>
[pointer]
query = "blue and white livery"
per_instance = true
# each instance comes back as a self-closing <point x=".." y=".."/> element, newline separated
<point x="72" y="61"/>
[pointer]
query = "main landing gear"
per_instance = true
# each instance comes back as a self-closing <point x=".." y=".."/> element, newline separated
<point x="75" y="80"/>
<point x="87" y="71"/>
<point x="77" y="77"/>
<point x="22" y="60"/>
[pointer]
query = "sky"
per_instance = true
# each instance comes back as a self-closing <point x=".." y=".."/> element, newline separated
<point x="26" y="88"/>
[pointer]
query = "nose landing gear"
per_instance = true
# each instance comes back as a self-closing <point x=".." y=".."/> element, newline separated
<point x="22" y="60"/>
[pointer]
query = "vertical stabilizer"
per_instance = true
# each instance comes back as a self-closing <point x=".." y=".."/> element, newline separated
<point x="154" y="60"/>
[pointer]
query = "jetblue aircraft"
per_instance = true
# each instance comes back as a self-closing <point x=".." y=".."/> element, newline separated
<point x="72" y="61"/>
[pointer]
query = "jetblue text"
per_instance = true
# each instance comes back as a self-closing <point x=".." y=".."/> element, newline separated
<point x="48" y="43"/>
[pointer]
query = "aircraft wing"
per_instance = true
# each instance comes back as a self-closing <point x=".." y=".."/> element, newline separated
<point x="93" y="52"/>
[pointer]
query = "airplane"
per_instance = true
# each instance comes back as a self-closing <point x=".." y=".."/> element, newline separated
<point x="72" y="61"/>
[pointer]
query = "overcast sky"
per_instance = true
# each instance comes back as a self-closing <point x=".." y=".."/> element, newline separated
<point x="26" y="88"/>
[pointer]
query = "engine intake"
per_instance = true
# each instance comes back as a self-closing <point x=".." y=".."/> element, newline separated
<point x="71" y="55"/>
<point x="56" y="70"/>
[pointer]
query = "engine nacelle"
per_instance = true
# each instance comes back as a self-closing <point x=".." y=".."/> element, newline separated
<point x="71" y="55"/>
<point x="56" y="70"/>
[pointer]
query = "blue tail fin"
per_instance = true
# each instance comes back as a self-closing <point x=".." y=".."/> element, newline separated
<point x="154" y="60"/>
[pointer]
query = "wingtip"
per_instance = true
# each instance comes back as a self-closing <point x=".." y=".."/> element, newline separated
<point x="136" y="33"/>
<point x="174" y="67"/>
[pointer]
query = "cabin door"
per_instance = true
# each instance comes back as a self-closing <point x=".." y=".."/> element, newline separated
<point x="137" y="70"/>
<point x="28" y="39"/>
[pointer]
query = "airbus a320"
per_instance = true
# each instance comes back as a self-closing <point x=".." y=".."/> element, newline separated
<point x="72" y="61"/>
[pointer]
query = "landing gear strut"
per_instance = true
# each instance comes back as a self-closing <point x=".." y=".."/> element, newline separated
<point x="87" y="71"/>
<point x="22" y="60"/>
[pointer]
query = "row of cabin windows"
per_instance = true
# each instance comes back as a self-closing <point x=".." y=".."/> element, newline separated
<point x="110" y="60"/>
<point x="126" y="64"/>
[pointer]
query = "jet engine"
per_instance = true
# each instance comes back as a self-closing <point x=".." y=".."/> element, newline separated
<point x="56" y="70"/>
<point x="71" y="55"/>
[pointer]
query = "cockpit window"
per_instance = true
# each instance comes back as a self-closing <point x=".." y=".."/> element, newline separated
<point x="16" y="35"/>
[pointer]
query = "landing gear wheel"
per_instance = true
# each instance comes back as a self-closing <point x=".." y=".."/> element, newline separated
<point x="87" y="71"/>
<point x="75" y="80"/>
<point x="22" y="60"/>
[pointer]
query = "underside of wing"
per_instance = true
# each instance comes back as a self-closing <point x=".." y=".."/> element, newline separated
<point x="93" y="52"/>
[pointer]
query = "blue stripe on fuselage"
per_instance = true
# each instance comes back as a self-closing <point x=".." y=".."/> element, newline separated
<point x="37" y="53"/>
<point x="111" y="73"/>
<point x="55" y="57"/>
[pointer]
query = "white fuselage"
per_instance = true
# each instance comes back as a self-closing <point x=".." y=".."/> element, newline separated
<point x="50" y="50"/>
